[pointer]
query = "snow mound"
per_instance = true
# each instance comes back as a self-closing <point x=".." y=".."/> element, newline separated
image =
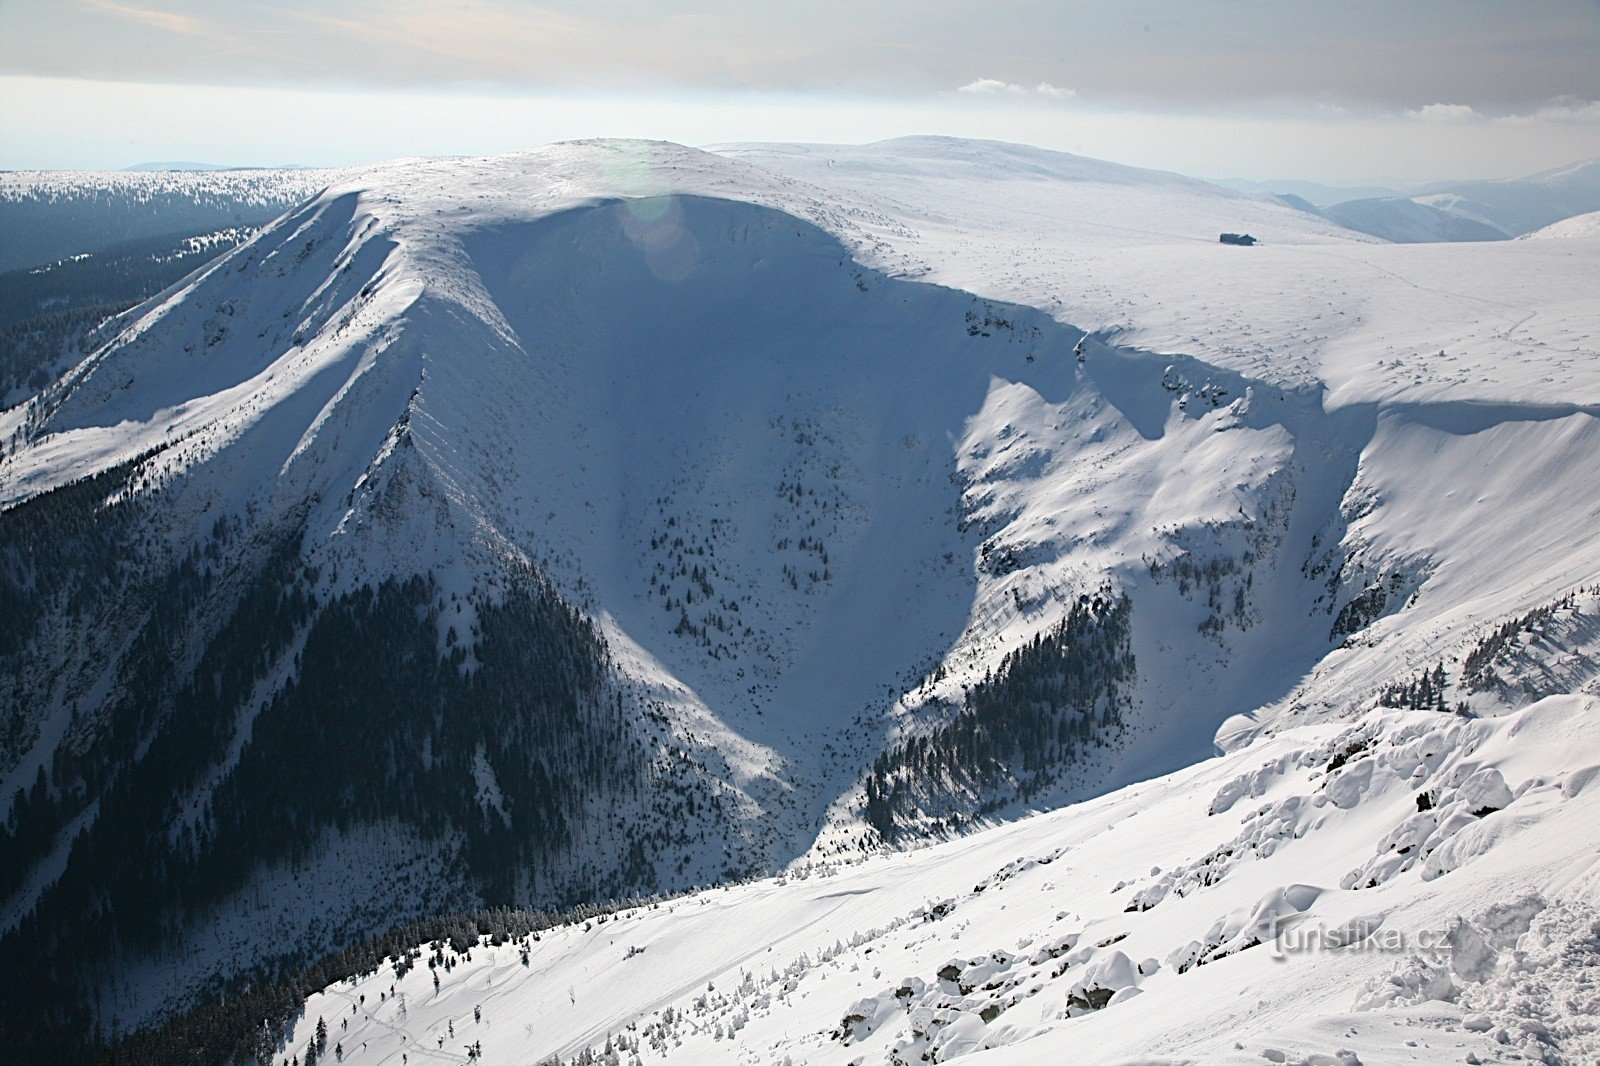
<point x="1524" y="973"/>
<point x="1578" y="226"/>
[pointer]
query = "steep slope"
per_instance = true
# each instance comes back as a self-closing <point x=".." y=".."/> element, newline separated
<point x="616" y="517"/>
<point x="49" y="315"/>
<point x="470" y="469"/>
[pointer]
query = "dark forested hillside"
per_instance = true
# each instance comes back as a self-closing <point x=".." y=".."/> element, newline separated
<point x="481" y="748"/>
<point x="43" y="219"/>
<point x="1019" y="728"/>
<point x="48" y="314"/>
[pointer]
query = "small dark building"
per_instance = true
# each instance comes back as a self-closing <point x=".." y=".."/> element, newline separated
<point x="1237" y="238"/>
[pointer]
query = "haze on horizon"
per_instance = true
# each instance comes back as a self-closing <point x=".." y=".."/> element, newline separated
<point x="1340" y="91"/>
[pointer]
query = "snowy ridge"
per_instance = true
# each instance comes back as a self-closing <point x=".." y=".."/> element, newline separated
<point x="816" y="456"/>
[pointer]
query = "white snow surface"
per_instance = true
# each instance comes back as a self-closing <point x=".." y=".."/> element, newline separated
<point x="1134" y="255"/>
<point x="581" y="353"/>
<point x="1481" y="937"/>
<point x="1578" y="226"/>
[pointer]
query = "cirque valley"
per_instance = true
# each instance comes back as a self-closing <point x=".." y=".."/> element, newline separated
<point x="817" y="603"/>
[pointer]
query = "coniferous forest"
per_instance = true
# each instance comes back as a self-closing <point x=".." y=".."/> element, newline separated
<point x="1048" y="703"/>
<point x="515" y="728"/>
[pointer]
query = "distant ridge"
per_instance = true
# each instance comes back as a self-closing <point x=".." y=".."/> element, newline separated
<point x="140" y="168"/>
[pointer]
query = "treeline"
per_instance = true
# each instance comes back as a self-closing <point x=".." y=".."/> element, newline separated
<point x="1477" y="669"/>
<point x="1429" y="689"/>
<point x="1018" y="727"/>
<point x="1425" y="692"/>
<point x="36" y="351"/>
<point x="372" y="723"/>
<point x="250" y="1020"/>
<point x="47" y="312"/>
<point x="39" y="229"/>
<point x="64" y="556"/>
<point x="122" y="274"/>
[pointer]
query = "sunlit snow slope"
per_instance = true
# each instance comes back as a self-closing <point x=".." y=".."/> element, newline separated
<point x="618" y="517"/>
<point x="1134" y="254"/>
<point x="1414" y="888"/>
<point x="1584" y="226"/>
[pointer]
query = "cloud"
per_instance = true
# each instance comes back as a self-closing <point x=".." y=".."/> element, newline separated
<point x="996" y="87"/>
<point x="991" y="87"/>
<point x="1569" y="110"/>
<point x="1377" y="60"/>
<point x="1443" y="113"/>
<point x="161" y="20"/>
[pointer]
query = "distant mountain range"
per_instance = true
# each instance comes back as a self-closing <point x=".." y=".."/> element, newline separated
<point x="53" y="214"/>
<point x="147" y="167"/>
<point x="1449" y="211"/>
<point x="1312" y="192"/>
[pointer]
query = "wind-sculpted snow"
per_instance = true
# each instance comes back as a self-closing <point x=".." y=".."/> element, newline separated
<point x="1525" y="973"/>
<point x="1435" y="761"/>
<point x="1246" y="927"/>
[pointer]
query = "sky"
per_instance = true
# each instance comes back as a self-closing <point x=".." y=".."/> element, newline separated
<point x="1327" y="90"/>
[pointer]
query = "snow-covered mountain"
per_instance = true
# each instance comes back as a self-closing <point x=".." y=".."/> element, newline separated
<point x="1521" y="205"/>
<point x="1418" y="220"/>
<point x="1314" y="193"/>
<point x="1475" y="210"/>
<point x="1587" y="225"/>
<point x="617" y="517"/>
